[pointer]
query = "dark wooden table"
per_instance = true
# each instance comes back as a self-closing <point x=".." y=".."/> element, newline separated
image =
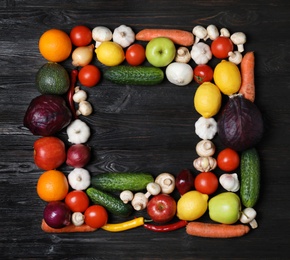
<point x="152" y="131"/>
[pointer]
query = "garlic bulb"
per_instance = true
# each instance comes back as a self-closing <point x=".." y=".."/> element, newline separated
<point x="230" y="182"/>
<point x="205" y="163"/>
<point x="205" y="148"/>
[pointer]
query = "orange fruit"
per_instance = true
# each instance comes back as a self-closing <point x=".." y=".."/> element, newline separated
<point x="55" y="45"/>
<point x="52" y="185"/>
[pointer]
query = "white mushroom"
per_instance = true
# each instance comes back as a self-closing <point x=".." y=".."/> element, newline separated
<point x="212" y="32"/>
<point x="79" y="95"/>
<point x="77" y="218"/>
<point x="182" y="55"/>
<point x="235" y="57"/>
<point x="248" y="216"/>
<point x="200" y="33"/>
<point x="239" y="39"/>
<point x="139" y="201"/>
<point x="205" y="148"/>
<point x="101" y="34"/>
<point x="153" y="188"/>
<point x="166" y="182"/>
<point x="225" y="32"/>
<point x="85" y="108"/>
<point x="126" y="196"/>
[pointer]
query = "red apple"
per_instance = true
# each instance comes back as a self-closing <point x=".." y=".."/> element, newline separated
<point x="49" y="152"/>
<point x="78" y="155"/>
<point x="161" y="208"/>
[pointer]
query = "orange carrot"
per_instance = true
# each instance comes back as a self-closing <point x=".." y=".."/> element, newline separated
<point x="214" y="230"/>
<point x="71" y="228"/>
<point x="180" y="37"/>
<point x="247" y="88"/>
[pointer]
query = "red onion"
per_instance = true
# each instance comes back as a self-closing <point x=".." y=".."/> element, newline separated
<point x="78" y="155"/>
<point x="184" y="181"/>
<point x="57" y="214"/>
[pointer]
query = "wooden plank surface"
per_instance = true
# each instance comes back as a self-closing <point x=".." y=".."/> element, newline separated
<point x="140" y="129"/>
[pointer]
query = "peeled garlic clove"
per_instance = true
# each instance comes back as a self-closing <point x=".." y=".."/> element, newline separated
<point x="230" y="182"/>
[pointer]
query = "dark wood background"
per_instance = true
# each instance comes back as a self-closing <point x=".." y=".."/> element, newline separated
<point x="139" y="128"/>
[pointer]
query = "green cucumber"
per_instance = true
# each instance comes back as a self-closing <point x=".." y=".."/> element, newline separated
<point x="130" y="75"/>
<point x="109" y="201"/>
<point x="250" y="177"/>
<point x="121" y="181"/>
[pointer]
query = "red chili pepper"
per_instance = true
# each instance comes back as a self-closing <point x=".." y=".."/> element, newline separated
<point x="166" y="228"/>
<point x="73" y="80"/>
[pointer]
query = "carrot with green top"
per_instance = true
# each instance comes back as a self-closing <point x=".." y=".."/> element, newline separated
<point x="179" y="37"/>
<point x="247" y="66"/>
<point x="214" y="230"/>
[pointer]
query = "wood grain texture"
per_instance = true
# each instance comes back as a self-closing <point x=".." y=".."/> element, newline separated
<point x="140" y="129"/>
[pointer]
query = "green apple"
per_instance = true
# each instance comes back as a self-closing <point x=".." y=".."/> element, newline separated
<point x="160" y="51"/>
<point x="225" y="208"/>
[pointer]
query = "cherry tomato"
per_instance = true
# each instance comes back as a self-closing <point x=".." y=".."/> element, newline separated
<point x="89" y="75"/>
<point x="228" y="160"/>
<point x="96" y="216"/>
<point x="202" y="73"/>
<point x="221" y="46"/>
<point x="77" y="201"/>
<point x="81" y="35"/>
<point x="135" y="54"/>
<point x="206" y="182"/>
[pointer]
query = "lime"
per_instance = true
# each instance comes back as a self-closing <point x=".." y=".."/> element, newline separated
<point x="227" y="77"/>
<point x="207" y="99"/>
<point x="192" y="205"/>
<point x="110" y="53"/>
<point x="52" y="78"/>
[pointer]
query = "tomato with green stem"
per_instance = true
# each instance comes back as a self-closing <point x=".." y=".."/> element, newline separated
<point x="206" y="182"/>
<point x="96" y="216"/>
<point x="202" y="73"/>
<point x="221" y="46"/>
<point x="89" y="75"/>
<point x="228" y="160"/>
<point x="77" y="201"/>
<point x="135" y="54"/>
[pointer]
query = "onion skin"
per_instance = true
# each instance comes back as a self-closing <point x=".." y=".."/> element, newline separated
<point x="47" y="115"/>
<point x="240" y="125"/>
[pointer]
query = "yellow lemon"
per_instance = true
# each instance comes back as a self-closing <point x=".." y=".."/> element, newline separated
<point x="227" y="77"/>
<point x="207" y="99"/>
<point x="110" y="53"/>
<point x="192" y="205"/>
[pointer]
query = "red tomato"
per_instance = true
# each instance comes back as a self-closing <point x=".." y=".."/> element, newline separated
<point x="77" y="201"/>
<point x="89" y="75"/>
<point x="49" y="153"/>
<point x="221" y="46"/>
<point x="96" y="216"/>
<point x="206" y="182"/>
<point x="202" y="73"/>
<point x="81" y="35"/>
<point x="135" y="54"/>
<point x="228" y="160"/>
